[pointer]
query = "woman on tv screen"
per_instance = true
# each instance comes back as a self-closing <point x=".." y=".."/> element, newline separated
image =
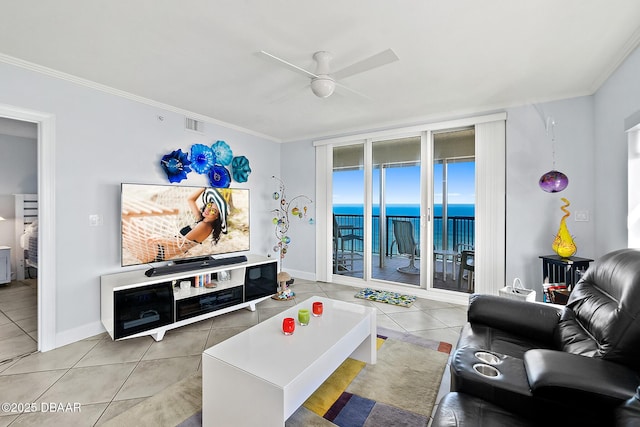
<point x="173" y="224"/>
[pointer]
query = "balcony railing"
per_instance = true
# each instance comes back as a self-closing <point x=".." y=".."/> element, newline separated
<point x="460" y="231"/>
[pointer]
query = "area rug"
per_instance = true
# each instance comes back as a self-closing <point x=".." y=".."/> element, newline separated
<point x="400" y="389"/>
<point x="386" y="296"/>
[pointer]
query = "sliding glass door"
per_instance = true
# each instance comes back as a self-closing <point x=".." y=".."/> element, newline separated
<point x="376" y="212"/>
<point x="395" y="198"/>
<point x="453" y="222"/>
<point x="348" y="211"/>
<point x="440" y="187"/>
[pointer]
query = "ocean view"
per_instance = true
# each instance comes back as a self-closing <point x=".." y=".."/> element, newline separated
<point x="405" y="210"/>
<point x="461" y="222"/>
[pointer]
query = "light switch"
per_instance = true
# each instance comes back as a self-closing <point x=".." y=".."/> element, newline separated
<point x="95" y="220"/>
<point x="582" y="215"/>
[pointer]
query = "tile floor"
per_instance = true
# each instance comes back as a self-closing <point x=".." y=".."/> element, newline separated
<point x="106" y="378"/>
<point x="18" y="319"/>
<point x="390" y="273"/>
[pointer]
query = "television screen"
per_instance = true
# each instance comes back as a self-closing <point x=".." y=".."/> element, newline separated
<point x="173" y="222"/>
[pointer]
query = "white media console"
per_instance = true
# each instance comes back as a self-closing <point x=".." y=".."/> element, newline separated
<point x="133" y="304"/>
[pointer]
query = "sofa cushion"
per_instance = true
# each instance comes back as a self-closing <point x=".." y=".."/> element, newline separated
<point x="605" y="303"/>
<point x="582" y="382"/>
<point x="571" y="337"/>
<point x="514" y="316"/>
<point x="628" y="415"/>
<point x="460" y="410"/>
<point x="485" y="337"/>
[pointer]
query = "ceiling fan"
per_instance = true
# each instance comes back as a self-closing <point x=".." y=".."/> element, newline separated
<point x="323" y="81"/>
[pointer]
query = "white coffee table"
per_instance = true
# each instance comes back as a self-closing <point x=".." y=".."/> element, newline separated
<point x="261" y="376"/>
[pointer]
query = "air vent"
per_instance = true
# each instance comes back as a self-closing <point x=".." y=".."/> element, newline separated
<point x="194" y="125"/>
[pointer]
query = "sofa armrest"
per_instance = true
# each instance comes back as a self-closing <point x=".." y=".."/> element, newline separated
<point x="534" y="320"/>
<point x="588" y="380"/>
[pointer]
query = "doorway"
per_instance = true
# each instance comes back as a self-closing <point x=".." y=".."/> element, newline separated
<point x="394" y="196"/>
<point x="19" y="296"/>
<point x="46" y="283"/>
<point x="454" y="202"/>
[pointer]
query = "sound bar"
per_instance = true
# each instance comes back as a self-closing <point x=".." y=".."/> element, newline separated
<point x="198" y="265"/>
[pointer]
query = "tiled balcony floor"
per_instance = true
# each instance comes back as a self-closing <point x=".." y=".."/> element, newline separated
<point x="390" y="273"/>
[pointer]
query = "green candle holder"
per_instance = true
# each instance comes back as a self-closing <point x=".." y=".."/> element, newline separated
<point x="303" y="316"/>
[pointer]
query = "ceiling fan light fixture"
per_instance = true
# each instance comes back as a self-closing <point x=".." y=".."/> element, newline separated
<point x="324" y="80"/>
<point x="323" y="86"/>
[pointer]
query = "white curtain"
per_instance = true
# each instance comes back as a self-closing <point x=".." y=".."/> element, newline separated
<point x="632" y="127"/>
<point x="490" y="207"/>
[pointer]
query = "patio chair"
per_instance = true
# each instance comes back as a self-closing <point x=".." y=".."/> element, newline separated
<point x="403" y="233"/>
<point x="344" y="258"/>
<point x="466" y="264"/>
<point x="457" y="261"/>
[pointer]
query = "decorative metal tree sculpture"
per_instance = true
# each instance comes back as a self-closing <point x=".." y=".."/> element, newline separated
<point x="297" y="208"/>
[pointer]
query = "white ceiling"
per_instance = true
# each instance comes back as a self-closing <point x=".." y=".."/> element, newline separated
<point x="455" y="57"/>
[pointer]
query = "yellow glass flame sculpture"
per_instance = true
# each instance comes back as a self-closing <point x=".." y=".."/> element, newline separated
<point x="563" y="243"/>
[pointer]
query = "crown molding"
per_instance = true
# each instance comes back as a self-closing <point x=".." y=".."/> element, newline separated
<point x="632" y="43"/>
<point x="123" y="94"/>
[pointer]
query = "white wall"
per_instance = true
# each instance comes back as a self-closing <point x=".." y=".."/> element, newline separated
<point x="298" y="175"/>
<point x="617" y="99"/>
<point x="18" y="175"/>
<point x="101" y="141"/>
<point x="533" y="216"/>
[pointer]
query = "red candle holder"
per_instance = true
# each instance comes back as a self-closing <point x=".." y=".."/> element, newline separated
<point x="288" y="325"/>
<point x="317" y="309"/>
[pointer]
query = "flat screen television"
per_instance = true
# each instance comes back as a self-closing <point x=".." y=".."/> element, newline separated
<point x="176" y="222"/>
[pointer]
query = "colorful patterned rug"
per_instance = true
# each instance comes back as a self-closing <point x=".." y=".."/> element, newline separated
<point x="400" y="389"/>
<point x="386" y="296"/>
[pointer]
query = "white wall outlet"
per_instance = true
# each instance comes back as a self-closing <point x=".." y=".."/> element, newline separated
<point x="582" y="215"/>
<point x="95" y="220"/>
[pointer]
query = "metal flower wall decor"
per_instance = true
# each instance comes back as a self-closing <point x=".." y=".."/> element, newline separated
<point x="216" y="162"/>
<point x="176" y="165"/>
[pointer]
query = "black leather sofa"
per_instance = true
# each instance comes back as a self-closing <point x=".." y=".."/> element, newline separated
<point x="464" y="410"/>
<point x="521" y="363"/>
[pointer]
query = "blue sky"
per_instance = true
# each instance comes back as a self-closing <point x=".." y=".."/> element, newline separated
<point x="403" y="185"/>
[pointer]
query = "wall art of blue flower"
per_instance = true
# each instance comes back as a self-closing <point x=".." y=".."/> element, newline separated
<point x="223" y="153"/>
<point x="176" y="165"/>
<point x="219" y="177"/>
<point x="202" y="158"/>
<point x="241" y="169"/>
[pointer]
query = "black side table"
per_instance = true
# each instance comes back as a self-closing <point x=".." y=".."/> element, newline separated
<point x="563" y="270"/>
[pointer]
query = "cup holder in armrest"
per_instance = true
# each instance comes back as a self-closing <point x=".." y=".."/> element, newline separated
<point x="486" y="370"/>
<point x="486" y="357"/>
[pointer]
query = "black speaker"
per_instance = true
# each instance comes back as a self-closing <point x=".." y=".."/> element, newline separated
<point x="197" y="265"/>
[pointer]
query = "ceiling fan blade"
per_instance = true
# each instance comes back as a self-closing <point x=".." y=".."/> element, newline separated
<point x="286" y="64"/>
<point x="355" y="92"/>
<point x="378" y="60"/>
<point x="289" y="94"/>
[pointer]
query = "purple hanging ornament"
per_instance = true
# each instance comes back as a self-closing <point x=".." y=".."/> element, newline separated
<point x="553" y="181"/>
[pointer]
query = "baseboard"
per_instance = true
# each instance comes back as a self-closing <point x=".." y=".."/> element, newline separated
<point x="304" y="275"/>
<point x="77" y="334"/>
